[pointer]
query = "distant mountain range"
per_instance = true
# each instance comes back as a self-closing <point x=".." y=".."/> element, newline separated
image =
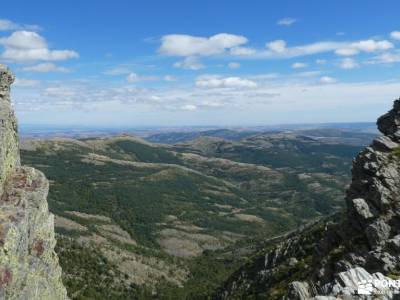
<point x="45" y="131"/>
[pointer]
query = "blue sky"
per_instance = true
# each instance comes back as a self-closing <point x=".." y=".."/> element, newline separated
<point x="175" y="63"/>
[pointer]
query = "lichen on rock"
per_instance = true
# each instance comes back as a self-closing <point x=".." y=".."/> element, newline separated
<point x="9" y="153"/>
<point x="29" y="266"/>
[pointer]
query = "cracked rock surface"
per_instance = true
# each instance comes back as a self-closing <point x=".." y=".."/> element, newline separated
<point x="29" y="266"/>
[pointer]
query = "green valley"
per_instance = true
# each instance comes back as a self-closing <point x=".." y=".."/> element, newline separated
<point x="174" y="221"/>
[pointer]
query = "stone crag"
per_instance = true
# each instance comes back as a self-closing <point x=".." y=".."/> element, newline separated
<point x="29" y="266"/>
<point x="331" y="259"/>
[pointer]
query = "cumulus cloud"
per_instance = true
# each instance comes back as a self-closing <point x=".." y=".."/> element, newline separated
<point x="286" y="22"/>
<point x="395" y="35"/>
<point x="224" y="82"/>
<point x="327" y="79"/>
<point x="45" y="68"/>
<point x="348" y="63"/>
<point x="187" y="45"/>
<point x="275" y="97"/>
<point x="27" y="46"/>
<point x="189" y="63"/>
<point x="385" y="58"/>
<point x="364" y="46"/>
<point x="299" y="65"/>
<point x="278" y="46"/>
<point x="278" y="49"/>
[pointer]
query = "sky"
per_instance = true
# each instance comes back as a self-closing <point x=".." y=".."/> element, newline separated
<point x="201" y="63"/>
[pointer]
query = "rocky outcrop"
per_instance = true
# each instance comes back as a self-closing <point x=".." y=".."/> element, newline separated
<point x="352" y="256"/>
<point x="29" y="267"/>
<point x="9" y="155"/>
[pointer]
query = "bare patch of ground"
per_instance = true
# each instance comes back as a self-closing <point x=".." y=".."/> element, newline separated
<point x="114" y="232"/>
<point x="93" y="238"/>
<point x="89" y="216"/>
<point x="184" y="244"/>
<point x="68" y="224"/>
<point x="249" y="218"/>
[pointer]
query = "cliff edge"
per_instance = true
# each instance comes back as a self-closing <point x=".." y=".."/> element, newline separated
<point x="355" y="255"/>
<point x="29" y="266"/>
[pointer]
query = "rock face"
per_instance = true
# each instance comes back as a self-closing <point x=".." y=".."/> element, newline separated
<point x="359" y="249"/>
<point x="29" y="267"/>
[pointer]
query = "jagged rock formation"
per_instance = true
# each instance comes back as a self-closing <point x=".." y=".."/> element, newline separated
<point x="334" y="258"/>
<point x="29" y="267"/>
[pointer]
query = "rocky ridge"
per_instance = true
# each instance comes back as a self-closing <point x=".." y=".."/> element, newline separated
<point x="346" y="256"/>
<point x="29" y="266"/>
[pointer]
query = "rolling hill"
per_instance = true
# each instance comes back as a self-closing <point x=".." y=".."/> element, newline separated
<point x="176" y="220"/>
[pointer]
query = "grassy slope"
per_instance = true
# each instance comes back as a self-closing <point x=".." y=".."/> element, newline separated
<point x="140" y="197"/>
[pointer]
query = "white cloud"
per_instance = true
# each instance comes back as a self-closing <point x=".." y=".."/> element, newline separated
<point x="385" y="58"/>
<point x="133" y="77"/>
<point x="7" y="25"/>
<point x="45" y="68"/>
<point x="395" y="35"/>
<point x="189" y="63"/>
<point x="348" y="63"/>
<point x="189" y="107"/>
<point x="286" y="21"/>
<point x="280" y="99"/>
<point x="327" y="79"/>
<point x="224" y="82"/>
<point x="24" y="40"/>
<point x="364" y="46"/>
<point x="299" y="65"/>
<point x="233" y="65"/>
<point x="60" y="92"/>
<point x="347" y="51"/>
<point x="277" y="46"/>
<point x="278" y="49"/>
<point x="242" y="51"/>
<point x="187" y="45"/>
<point x="21" y="82"/>
<point x="236" y="45"/>
<point x="26" y="46"/>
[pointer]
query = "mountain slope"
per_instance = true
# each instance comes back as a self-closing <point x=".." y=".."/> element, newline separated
<point x="333" y="257"/>
<point x="176" y="221"/>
